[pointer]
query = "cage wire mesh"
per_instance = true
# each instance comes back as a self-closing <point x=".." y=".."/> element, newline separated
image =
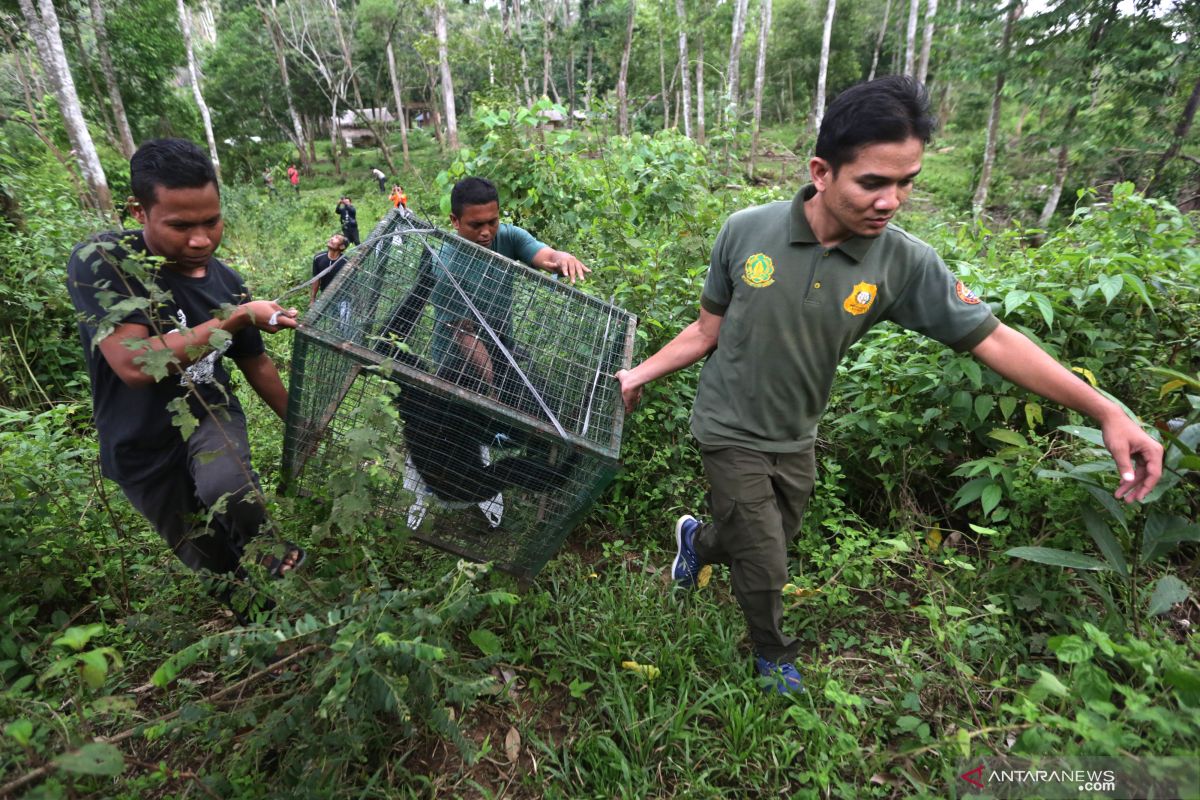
<point x="509" y="419"/>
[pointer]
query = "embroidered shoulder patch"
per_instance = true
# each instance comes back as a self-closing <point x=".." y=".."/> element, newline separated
<point x="965" y="294"/>
<point x="860" y="299"/>
<point x="759" y="270"/>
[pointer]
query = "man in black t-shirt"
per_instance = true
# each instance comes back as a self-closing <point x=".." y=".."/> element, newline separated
<point x="349" y="217"/>
<point x="332" y="257"/>
<point x="157" y="311"/>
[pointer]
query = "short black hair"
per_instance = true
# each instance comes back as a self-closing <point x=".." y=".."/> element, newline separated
<point x="472" y="192"/>
<point x="173" y="163"/>
<point x="889" y="109"/>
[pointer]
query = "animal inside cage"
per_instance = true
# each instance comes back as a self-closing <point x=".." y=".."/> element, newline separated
<point x="508" y="420"/>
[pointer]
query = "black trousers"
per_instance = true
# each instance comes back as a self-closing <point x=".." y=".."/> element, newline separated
<point x="208" y="506"/>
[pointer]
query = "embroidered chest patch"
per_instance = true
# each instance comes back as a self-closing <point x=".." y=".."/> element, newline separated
<point x="759" y="271"/>
<point x="860" y="299"/>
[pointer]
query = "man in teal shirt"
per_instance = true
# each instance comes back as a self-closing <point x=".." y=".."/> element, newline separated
<point x="791" y="285"/>
<point x="458" y="333"/>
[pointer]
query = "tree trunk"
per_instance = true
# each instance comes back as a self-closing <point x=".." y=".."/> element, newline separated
<point x="439" y="24"/>
<point x="700" y="89"/>
<point x="887" y="10"/>
<point x="623" y="75"/>
<point x="1060" y="171"/>
<point x="681" y="15"/>
<point x="335" y="136"/>
<point x="185" y="26"/>
<point x="993" y="125"/>
<point x="733" y="73"/>
<point x="760" y="72"/>
<point x="110" y="79"/>
<point x="1181" y="132"/>
<point x="398" y="93"/>
<point x="662" y="71"/>
<point x="47" y="36"/>
<point x="272" y="23"/>
<point x="927" y="40"/>
<point x="84" y="63"/>
<point x="910" y="42"/>
<point x="823" y="70"/>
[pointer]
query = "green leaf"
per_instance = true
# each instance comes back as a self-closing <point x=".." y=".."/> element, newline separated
<point x="1110" y="286"/>
<point x="990" y="498"/>
<point x="1048" y="684"/>
<point x="1047" y="310"/>
<point x="1014" y="300"/>
<point x="1102" y="535"/>
<point x="20" y="730"/>
<point x="1007" y="436"/>
<point x="1071" y="649"/>
<point x="77" y="638"/>
<point x="1162" y="532"/>
<point x="1058" y="558"/>
<point x="1007" y="406"/>
<point x="973" y="371"/>
<point x="1168" y="590"/>
<point x="908" y="723"/>
<point x="1091" y="435"/>
<point x="487" y="642"/>
<point x="984" y="404"/>
<point x="1033" y="414"/>
<point x="93" y="668"/>
<point x="94" y="758"/>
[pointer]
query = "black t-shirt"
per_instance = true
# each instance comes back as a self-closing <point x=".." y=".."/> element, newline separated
<point x="137" y="437"/>
<point x="348" y="214"/>
<point x="320" y="262"/>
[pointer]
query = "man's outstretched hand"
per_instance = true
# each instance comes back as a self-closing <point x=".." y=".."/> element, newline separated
<point x="1139" y="458"/>
<point x="630" y="394"/>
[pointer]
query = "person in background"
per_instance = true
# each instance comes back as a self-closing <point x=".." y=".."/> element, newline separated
<point x="398" y="197"/>
<point x="379" y="176"/>
<point x="268" y="176"/>
<point x="294" y="178"/>
<point x="332" y="259"/>
<point x="349" y="217"/>
<point x="791" y="286"/>
<point x="162" y="360"/>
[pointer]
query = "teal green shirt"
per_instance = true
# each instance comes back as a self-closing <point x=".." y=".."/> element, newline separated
<point x="792" y="308"/>
<point x="489" y="284"/>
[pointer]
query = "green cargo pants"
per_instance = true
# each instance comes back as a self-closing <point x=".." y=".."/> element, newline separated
<point x="756" y="500"/>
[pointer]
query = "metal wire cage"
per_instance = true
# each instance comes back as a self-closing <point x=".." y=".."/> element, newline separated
<point x="508" y="419"/>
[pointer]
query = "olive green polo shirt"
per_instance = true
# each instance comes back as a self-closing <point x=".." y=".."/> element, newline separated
<point x="791" y="309"/>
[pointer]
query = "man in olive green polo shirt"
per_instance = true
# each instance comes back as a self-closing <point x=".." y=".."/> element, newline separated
<point x="790" y="287"/>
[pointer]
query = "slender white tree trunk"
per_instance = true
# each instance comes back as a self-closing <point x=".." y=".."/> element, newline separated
<point x="662" y="71"/>
<point x="272" y="20"/>
<point x="993" y="124"/>
<point x="396" y="92"/>
<point x="733" y="73"/>
<point x="887" y="10"/>
<point x="124" y="133"/>
<point x="681" y="15"/>
<point x="185" y="27"/>
<point x="447" y="80"/>
<point x="910" y="44"/>
<point x="760" y="72"/>
<point x="931" y="7"/>
<point x="623" y="75"/>
<point x="47" y="36"/>
<point x="700" y="89"/>
<point x="823" y="69"/>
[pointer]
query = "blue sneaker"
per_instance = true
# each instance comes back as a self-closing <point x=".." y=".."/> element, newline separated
<point x="781" y="678"/>
<point x="685" y="569"/>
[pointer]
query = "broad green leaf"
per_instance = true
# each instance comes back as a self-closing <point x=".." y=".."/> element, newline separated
<point x="1046" y="309"/>
<point x="1110" y="286"/>
<point x="984" y="404"/>
<point x="973" y="371"/>
<point x="1007" y="436"/>
<point x="94" y="758"/>
<point x="77" y="638"/>
<point x="1100" y="638"/>
<point x="1007" y="406"/>
<point x="1058" y="558"/>
<point x="1091" y="435"/>
<point x="1033" y="415"/>
<point x="1014" y="300"/>
<point x="93" y="668"/>
<point x="487" y="642"/>
<point x="1071" y="649"/>
<point x="21" y="730"/>
<point x="1162" y="532"/>
<point x="1168" y="590"/>
<point x="990" y="498"/>
<point x="1102" y="535"/>
<point x="1139" y="287"/>
<point x="1048" y="684"/>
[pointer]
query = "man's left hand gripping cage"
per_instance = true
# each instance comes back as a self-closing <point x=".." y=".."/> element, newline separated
<point x="507" y="421"/>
